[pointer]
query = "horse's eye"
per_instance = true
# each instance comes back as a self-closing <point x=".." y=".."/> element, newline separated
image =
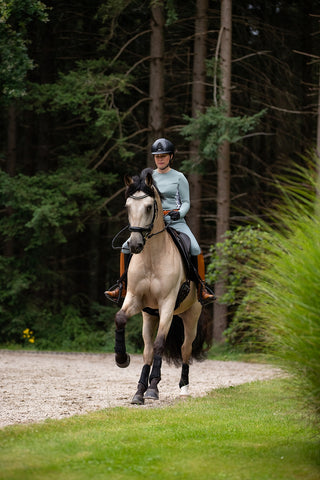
<point x="149" y="208"/>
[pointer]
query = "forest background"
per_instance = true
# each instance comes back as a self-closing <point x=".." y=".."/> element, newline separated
<point x="86" y="87"/>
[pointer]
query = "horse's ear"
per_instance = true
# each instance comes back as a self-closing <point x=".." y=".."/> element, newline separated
<point x="149" y="179"/>
<point x="128" y="180"/>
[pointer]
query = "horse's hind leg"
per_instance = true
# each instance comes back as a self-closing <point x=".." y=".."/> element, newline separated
<point x="184" y="380"/>
<point x="190" y="322"/>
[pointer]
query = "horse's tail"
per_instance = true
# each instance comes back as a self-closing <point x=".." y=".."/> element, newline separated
<point x="201" y="344"/>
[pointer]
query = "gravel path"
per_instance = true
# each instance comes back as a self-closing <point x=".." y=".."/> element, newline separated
<point x="38" y="386"/>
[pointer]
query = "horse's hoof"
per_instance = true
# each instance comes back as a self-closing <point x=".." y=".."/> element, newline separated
<point x="151" y="394"/>
<point x="137" y="399"/>
<point x="184" y="391"/>
<point x="123" y="361"/>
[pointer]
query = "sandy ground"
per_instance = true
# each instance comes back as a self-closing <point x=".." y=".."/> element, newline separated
<point x="38" y="386"/>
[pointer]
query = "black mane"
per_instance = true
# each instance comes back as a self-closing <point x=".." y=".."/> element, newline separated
<point x="139" y="184"/>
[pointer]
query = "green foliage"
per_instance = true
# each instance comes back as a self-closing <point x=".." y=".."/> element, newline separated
<point x="43" y="213"/>
<point x="212" y="129"/>
<point x="254" y="426"/>
<point x="234" y="260"/>
<point x="287" y="302"/>
<point x="45" y="204"/>
<point x="90" y="95"/>
<point x="69" y="330"/>
<point x="283" y="299"/>
<point x="15" y="15"/>
<point x="110" y="10"/>
<point x="172" y="15"/>
<point x="66" y="328"/>
<point x="15" y="282"/>
<point x="14" y="64"/>
<point x="88" y="92"/>
<point x="250" y="255"/>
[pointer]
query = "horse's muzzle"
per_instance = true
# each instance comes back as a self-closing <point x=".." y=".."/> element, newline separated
<point x="138" y="238"/>
<point x="136" y="246"/>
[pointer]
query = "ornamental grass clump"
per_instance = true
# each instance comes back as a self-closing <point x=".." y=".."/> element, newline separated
<point x="287" y="297"/>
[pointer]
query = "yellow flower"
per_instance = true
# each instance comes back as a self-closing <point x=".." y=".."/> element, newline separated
<point x="26" y="333"/>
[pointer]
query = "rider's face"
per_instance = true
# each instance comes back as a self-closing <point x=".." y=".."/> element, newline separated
<point x="162" y="161"/>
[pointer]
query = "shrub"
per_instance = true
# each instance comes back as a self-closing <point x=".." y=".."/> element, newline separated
<point x="234" y="260"/>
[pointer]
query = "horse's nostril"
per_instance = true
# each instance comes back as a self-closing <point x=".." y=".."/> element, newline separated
<point x="136" y="248"/>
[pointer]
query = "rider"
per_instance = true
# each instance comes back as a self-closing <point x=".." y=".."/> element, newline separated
<point x="176" y="203"/>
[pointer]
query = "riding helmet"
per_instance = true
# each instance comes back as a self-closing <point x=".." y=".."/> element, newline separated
<point x="162" y="145"/>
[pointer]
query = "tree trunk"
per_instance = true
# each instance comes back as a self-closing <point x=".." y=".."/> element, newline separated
<point x="11" y="167"/>
<point x="198" y="105"/>
<point x="12" y="141"/>
<point x="94" y="259"/>
<point x="223" y="187"/>
<point x="156" y="86"/>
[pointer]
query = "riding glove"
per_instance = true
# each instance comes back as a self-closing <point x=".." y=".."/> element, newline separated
<point x="174" y="215"/>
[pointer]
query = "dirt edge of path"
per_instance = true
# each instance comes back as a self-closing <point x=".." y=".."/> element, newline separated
<point x="35" y="386"/>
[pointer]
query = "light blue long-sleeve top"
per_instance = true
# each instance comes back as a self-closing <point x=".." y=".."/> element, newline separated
<point x="176" y="195"/>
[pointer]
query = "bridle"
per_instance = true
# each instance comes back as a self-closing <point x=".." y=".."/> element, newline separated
<point x="146" y="231"/>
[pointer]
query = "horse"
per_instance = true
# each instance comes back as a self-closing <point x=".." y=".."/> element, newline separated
<point x="155" y="275"/>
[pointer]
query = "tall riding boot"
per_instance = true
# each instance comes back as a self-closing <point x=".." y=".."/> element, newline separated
<point x="118" y="292"/>
<point x="205" y="294"/>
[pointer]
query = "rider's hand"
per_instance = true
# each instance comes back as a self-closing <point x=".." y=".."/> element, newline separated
<point x="174" y="215"/>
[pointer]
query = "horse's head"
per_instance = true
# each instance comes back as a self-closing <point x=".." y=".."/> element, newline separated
<point x="141" y="203"/>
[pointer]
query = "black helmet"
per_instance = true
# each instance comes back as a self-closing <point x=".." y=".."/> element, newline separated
<point x="162" y="145"/>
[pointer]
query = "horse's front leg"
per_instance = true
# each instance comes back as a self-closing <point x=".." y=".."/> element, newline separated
<point x="128" y="310"/>
<point x="149" y="327"/>
<point x="122" y="357"/>
<point x="155" y="376"/>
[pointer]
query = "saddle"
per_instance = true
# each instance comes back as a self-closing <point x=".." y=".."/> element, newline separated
<point x="183" y="243"/>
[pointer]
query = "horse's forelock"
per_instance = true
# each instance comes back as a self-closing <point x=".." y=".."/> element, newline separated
<point x="139" y="185"/>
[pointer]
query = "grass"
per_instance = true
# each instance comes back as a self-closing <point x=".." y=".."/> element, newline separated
<point x="253" y="431"/>
<point x="226" y="352"/>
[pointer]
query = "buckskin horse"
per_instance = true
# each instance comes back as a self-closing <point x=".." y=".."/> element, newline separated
<point x="156" y="279"/>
